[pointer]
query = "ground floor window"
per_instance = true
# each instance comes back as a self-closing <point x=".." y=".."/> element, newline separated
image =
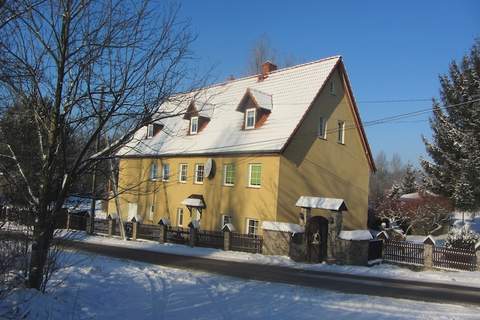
<point x="180" y="217"/>
<point x="252" y="227"/>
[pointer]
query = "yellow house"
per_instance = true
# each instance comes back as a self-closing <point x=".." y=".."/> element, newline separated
<point x="244" y="151"/>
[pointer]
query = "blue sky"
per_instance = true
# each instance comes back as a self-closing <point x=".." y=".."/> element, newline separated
<point x="392" y="50"/>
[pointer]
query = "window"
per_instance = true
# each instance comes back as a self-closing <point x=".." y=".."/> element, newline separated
<point x="229" y="174"/>
<point x="149" y="131"/>
<point x="226" y="219"/>
<point x="182" y="176"/>
<point x="180" y="217"/>
<point x="153" y="171"/>
<point x="199" y="171"/>
<point x="165" y="172"/>
<point x="322" y="128"/>
<point x="152" y="210"/>
<point x="255" y="175"/>
<point x="332" y="87"/>
<point x="250" y="119"/>
<point x="252" y="227"/>
<point x="341" y="132"/>
<point x="193" y="125"/>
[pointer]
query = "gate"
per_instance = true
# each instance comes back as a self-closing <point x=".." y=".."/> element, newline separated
<point x="316" y="233"/>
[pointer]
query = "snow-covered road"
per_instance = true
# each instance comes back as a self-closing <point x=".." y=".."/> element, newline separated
<point x="96" y="287"/>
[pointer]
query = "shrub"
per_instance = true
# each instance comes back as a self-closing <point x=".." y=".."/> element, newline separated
<point x="462" y="238"/>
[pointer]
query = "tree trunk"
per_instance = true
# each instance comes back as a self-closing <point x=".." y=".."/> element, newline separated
<point x="42" y="236"/>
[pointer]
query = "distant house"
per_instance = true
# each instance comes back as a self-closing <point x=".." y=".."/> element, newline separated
<point x="245" y="151"/>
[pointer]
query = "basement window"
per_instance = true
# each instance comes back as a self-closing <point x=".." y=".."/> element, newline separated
<point x="252" y="227"/>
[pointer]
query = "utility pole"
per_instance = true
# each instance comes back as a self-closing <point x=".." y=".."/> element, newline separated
<point x="91" y="228"/>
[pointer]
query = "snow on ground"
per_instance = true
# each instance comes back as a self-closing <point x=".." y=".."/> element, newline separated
<point x="468" y="278"/>
<point x="96" y="287"/>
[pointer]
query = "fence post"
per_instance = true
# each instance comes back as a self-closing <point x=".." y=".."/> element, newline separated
<point x="68" y="220"/>
<point x="226" y="240"/>
<point x="163" y="233"/>
<point x="134" y="229"/>
<point x="110" y="226"/>
<point x="193" y="236"/>
<point x="428" y="244"/>
<point x="477" y="253"/>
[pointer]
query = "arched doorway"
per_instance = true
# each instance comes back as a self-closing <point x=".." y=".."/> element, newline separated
<point x="316" y="235"/>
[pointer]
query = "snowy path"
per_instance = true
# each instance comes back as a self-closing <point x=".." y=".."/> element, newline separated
<point x="96" y="287"/>
<point x="466" y="278"/>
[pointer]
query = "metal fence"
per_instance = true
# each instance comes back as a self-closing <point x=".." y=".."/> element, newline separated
<point x="403" y="252"/>
<point x="246" y="242"/>
<point x="211" y="239"/>
<point x="454" y="258"/>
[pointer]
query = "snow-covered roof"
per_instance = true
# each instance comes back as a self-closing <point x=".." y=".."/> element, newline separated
<point x="228" y="226"/>
<point x="417" y="195"/>
<point x="287" y="92"/>
<point x="136" y="216"/>
<point x="194" y="224"/>
<point x="194" y="200"/>
<point x="263" y="100"/>
<point x="429" y="239"/>
<point x="282" y="226"/>
<point x="355" y="235"/>
<point x="164" y="221"/>
<point x="321" y="203"/>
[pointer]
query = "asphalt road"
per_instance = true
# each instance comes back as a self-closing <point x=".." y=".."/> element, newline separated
<point x="407" y="289"/>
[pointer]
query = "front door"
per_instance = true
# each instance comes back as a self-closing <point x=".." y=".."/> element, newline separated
<point x="316" y="234"/>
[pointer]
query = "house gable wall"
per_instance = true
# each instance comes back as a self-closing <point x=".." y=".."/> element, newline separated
<point x="313" y="166"/>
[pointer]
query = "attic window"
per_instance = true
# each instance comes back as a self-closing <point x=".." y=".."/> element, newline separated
<point x="149" y="131"/>
<point x="250" y="118"/>
<point x="193" y="125"/>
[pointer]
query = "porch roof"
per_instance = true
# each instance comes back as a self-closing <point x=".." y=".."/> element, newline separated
<point x="194" y="200"/>
<point x="322" y="203"/>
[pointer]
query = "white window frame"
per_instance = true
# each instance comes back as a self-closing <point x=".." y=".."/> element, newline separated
<point x="332" y="87"/>
<point x="149" y="131"/>
<point x="192" y="121"/>
<point x="180" y="214"/>
<point x="247" y="227"/>
<point x="250" y="165"/>
<point x="180" y="171"/>
<point x="165" y="177"/>
<point x="152" y="171"/>
<point x="222" y="222"/>
<point x="151" y="212"/>
<point x="225" y="183"/>
<point x="322" y="128"/>
<point x="197" y="165"/>
<point x="341" y="132"/>
<point x="247" y="112"/>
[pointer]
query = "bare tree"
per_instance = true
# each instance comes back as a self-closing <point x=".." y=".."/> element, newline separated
<point x="260" y="52"/>
<point x="68" y="57"/>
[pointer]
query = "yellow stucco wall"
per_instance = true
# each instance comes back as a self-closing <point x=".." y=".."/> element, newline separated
<point x="308" y="166"/>
<point x="323" y="167"/>
<point x="239" y="201"/>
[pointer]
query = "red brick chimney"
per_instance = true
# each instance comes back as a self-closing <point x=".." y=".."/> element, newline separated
<point x="267" y="67"/>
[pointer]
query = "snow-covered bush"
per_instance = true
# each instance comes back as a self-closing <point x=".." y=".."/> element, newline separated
<point x="462" y="238"/>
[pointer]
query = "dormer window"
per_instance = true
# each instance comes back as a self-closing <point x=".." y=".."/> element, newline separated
<point x="250" y="118"/>
<point x="256" y="107"/>
<point x="150" y="131"/>
<point x="193" y="125"/>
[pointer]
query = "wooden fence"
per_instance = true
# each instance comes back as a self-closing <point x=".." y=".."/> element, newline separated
<point x="101" y="226"/>
<point x="375" y="250"/>
<point x="454" y="258"/>
<point x="403" y="252"/>
<point x="77" y="222"/>
<point x="246" y="243"/>
<point x="178" y="235"/>
<point x="211" y="239"/>
<point x="148" y="231"/>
